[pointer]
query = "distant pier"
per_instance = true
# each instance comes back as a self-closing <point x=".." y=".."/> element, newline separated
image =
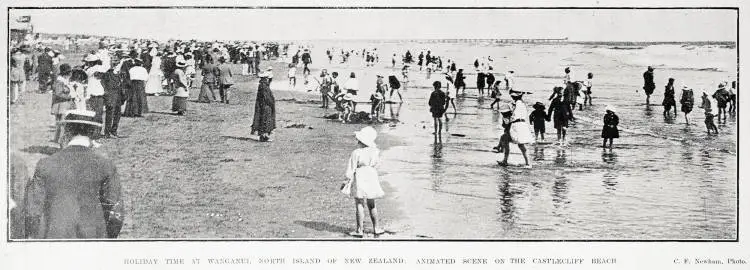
<point x="497" y="41"/>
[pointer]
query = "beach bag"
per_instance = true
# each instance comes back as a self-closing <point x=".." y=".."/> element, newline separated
<point x="346" y="188"/>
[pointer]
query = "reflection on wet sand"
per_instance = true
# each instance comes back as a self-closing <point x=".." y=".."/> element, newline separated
<point x="610" y="176"/>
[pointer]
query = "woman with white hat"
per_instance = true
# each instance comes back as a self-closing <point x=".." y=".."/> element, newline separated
<point x="610" y="131"/>
<point x="520" y="131"/>
<point x="179" y="101"/>
<point x="686" y="102"/>
<point x="363" y="183"/>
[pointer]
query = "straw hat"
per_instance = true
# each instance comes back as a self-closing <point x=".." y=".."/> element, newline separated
<point x="181" y="63"/>
<point x="348" y="96"/>
<point x="367" y="136"/>
<point x="81" y="117"/>
<point x="91" y="58"/>
<point x="516" y="93"/>
<point x="504" y="107"/>
<point x="610" y="108"/>
<point x="538" y="105"/>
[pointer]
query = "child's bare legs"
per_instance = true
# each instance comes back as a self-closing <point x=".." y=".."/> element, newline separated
<point x="373" y="216"/>
<point x="360" y="204"/>
<point x="438" y="123"/>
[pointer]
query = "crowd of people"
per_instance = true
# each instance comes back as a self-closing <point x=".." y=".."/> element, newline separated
<point x="87" y="102"/>
<point x="88" y="99"/>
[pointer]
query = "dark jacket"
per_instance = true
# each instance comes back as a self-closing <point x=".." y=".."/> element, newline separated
<point x="437" y="101"/>
<point x="75" y="193"/>
<point x="44" y="63"/>
<point x="113" y="95"/>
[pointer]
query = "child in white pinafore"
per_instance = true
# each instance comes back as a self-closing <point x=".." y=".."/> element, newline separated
<point x="363" y="183"/>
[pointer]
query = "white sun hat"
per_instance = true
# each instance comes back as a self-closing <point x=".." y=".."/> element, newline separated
<point x="367" y="136"/>
<point x="610" y="108"/>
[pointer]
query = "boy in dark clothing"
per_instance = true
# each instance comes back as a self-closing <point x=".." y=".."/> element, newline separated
<point x="438" y="106"/>
<point x="538" y="117"/>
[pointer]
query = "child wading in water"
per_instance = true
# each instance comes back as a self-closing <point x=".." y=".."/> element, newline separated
<point x="504" y="143"/>
<point x="610" y="131"/>
<point x="363" y="183"/>
<point x="495" y="94"/>
<point x="559" y="112"/>
<point x="438" y="104"/>
<point x="706" y="105"/>
<point x="587" y="93"/>
<point x="538" y="117"/>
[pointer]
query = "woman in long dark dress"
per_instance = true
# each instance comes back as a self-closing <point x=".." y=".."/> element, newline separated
<point x="264" y="118"/>
<point x="138" y="104"/>
<point x="669" y="101"/>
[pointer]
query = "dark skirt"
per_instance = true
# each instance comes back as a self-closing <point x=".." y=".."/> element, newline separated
<point x="610" y="132"/>
<point x="179" y="104"/>
<point x="669" y="103"/>
<point x="137" y="104"/>
<point x="560" y="122"/>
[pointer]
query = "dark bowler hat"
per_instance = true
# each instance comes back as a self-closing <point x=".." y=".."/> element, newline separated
<point x="81" y="117"/>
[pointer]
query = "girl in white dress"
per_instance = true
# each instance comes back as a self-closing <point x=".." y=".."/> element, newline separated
<point x="520" y="131"/>
<point x="363" y="183"/>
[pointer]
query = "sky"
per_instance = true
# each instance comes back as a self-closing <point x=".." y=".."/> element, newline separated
<point x="303" y="24"/>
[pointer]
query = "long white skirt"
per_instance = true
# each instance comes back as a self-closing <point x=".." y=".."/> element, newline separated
<point x="153" y="85"/>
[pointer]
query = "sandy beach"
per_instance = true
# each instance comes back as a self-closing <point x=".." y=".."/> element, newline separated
<point x="204" y="176"/>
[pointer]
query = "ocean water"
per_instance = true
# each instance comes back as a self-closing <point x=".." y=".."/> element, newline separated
<point x="664" y="179"/>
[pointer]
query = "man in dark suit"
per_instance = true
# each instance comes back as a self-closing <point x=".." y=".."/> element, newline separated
<point x="74" y="193"/>
<point x="113" y="100"/>
<point x="45" y="70"/>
